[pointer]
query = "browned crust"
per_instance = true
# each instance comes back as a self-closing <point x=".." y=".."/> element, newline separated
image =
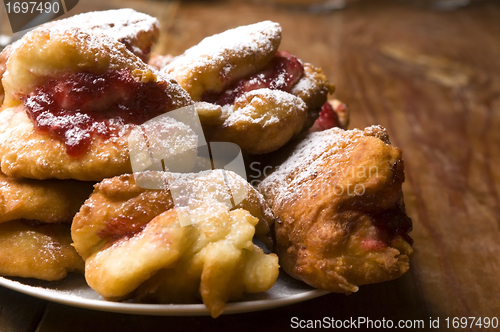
<point x="323" y="235"/>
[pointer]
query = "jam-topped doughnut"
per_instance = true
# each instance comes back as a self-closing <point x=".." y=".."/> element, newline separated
<point x="71" y="98"/>
<point x="137" y="31"/>
<point x="222" y="59"/>
<point x="341" y="221"/>
<point x="135" y="246"/>
<point x="260" y="97"/>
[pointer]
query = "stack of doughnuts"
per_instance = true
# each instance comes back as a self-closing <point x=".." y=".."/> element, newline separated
<point x="74" y="91"/>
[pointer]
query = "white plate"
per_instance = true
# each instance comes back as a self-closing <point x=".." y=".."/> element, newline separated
<point x="74" y="291"/>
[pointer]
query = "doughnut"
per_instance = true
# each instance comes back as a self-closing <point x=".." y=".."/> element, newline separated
<point x="338" y="201"/>
<point x="71" y="98"/>
<point x="36" y="250"/>
<point x="50" y="201"/>
<point x="255" y="119"/>
<point x="135" y="246"/>
<point x="222" y="59"/>
<point x="137" y="31"/>
<point x="241" y="72"/>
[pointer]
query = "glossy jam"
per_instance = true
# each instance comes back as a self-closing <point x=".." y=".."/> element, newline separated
<point x="121" y="227"/>
<point x="391" y="224"/>
<point x="80" y="106"/>
<point x="281" y="73"/>
<point x="327" y="119"/>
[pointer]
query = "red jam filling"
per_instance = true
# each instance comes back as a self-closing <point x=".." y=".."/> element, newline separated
<point x="373" y="244"/>
<point x="80" y="106"/>
<point x="390" y="224"/>
<point x="281" y="73"/>
<point x="121" y="227"/>
<point x="328" y="118"/>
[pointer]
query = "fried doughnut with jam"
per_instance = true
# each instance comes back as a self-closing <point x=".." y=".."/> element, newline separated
<point x="137" y="31"/>
<point x="71" y="98"/>
<point x="34" y="250"/>
<point x="341" y="221"/>
<point x="135" y="245"/>
<point x="222" y="59"/>
<point x="222" y="71"/>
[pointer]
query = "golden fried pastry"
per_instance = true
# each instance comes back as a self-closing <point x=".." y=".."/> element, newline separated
<point x="71" y="98"/>
<point x="50" y="201"/>
<point x="136" y="243"/>
<point x="41" y="251"/>
<point x="313" y="88"/>
<point x="260" y="121"/>
<point x="260" y="97"/>
<point x="220" y="264"/>
<point x="137" y="31"/>
<point x="225" y="58"/>
<point x="341" y="221"/>
<point x="4" y="56"/>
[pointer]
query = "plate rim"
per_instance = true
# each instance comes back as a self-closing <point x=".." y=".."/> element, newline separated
<point x="63" y="297"/>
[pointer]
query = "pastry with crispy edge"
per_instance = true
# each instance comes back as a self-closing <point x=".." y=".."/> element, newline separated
<point x="137" y="31"/>
<point x="50" y="201"/>
<point x="135" y="246"/>
<point x="71" y="99"/>
<point x="4" y="56"/>
<point x="253" y="95"/>
<point x="341" y="221"/>
<point x="36" y="250"/>
<point x="224" y="58"/>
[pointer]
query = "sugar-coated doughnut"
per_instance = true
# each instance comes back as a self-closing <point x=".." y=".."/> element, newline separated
<point x="341" y="221"/>
<point x="71" y="98"/>
<point x="135" y="245"/>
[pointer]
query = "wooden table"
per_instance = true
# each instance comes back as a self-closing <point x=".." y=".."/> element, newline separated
<point x="433" y="80"/>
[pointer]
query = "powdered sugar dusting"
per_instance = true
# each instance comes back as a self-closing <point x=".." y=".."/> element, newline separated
<point x="253" y="107"/>
<point x="199" y="195"/>
<point x="306" y="83"/>
<point x="308" y="158"/>
<point x="45" y="53"/>
<point x="250" y="39"/>
<point x="125" y="25"/>
<point x="226" y="57"/>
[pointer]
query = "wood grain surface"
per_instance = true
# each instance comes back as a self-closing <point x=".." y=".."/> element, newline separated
<point x="433" y="80"/>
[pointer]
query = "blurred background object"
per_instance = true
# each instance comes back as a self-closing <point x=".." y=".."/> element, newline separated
<point x="313" y="5"/>
<point x="440" y="4"/>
